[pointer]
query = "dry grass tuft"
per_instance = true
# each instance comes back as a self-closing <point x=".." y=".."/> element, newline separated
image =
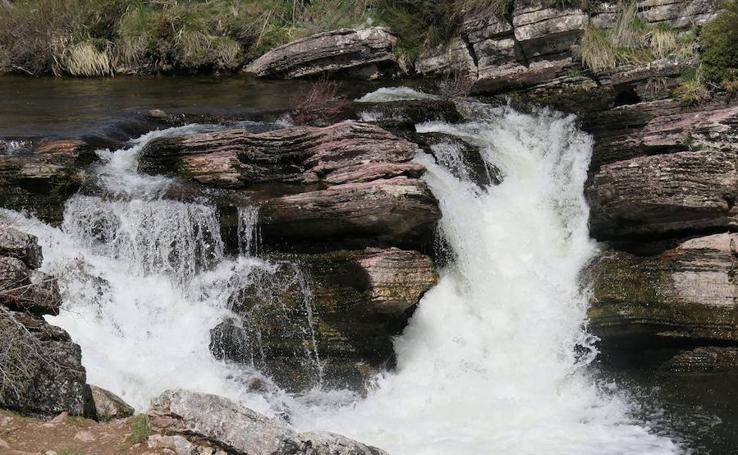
<point x="84" y="59"/>
<point x="597" y="50"/>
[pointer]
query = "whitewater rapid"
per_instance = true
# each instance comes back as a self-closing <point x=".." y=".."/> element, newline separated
<point x="494" y="361"/>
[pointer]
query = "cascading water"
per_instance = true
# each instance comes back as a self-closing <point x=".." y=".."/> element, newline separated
<point x="493" y="361"/>
<point x="144" y="279"/>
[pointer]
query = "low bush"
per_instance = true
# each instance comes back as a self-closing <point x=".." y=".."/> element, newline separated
<point x="691" y="89"/>
<point x="719" y="44"/>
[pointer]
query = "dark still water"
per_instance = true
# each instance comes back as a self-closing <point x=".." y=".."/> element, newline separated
<point x="39" y="107"/>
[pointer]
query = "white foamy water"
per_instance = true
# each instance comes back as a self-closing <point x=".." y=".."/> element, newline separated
<point x="494" y="361"/>
<point x="395" y="94"/>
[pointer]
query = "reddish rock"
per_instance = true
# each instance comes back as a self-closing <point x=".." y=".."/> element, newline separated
<point x="399" y="210"/>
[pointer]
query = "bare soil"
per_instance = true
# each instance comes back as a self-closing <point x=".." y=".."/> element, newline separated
<point x="66" y="435"/>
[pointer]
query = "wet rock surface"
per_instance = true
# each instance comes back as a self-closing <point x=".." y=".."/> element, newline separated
<point x="684" y="295"/>
<point x="216" y="422"/>
<point x="41" y="366"/>
<point x="363" y="54"/>
<point x="351" y="302"/>
<point x="349" y="180"/>
<point x="39" y="182"/>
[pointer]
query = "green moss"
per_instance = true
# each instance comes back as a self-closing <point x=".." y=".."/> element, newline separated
<point x="719" y="49"/>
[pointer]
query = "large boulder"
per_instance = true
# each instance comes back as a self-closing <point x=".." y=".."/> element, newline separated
<point x="235" y="158"/>
<point x="41" y="367"/>
<point x="218" y="423"/>
<point x="107" y="406"/>
<point x="19" y="245"/>
<point x="365" y="54"/>
<point x="40" y="182"/>
<point x="349" y="303"/>
<point x="659" y="127"/>
<point x="685" y="294"/>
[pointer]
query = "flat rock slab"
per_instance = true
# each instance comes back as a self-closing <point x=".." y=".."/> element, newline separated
<point x="218" y="422"/>
<point x="364" y="54"/>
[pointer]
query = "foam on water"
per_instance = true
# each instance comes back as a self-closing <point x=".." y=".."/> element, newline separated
<point x="395" y="94"/>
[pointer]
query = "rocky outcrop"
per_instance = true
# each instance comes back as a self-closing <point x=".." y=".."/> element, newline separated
<point x="399" y="211"/>
<point x="215" y="422"/>
<point x="685" y="294"/>
<point x="39" y="182"/>
<point x="365" y="54"/>
<point x="40" y="366"/>
<point x="345" y="181"/>
<point x="684" y="191"/>
<point x="664" y="169"/>
<point x="108" y="406"/>
<point x="350" y="302"/>
<point x="301" y="155"/>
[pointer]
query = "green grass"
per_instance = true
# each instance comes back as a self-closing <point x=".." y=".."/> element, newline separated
<point x="691" y="89"/>
<point x="70" y="452"/>
<point x="631" y="41"/>
<point x="140" y="429"/>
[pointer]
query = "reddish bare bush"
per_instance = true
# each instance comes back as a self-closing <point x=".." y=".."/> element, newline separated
<point x="456" y="85"/>
<point x="320" y="104"/>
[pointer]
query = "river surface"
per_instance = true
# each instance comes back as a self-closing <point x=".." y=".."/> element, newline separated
<point x="495" y="361"/>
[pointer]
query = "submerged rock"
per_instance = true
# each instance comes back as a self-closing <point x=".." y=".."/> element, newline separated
<point x="364" y="54"/>
<point x="40" y="365"/>
<point x="216" y="422"/>
<point x="685" y="294"/>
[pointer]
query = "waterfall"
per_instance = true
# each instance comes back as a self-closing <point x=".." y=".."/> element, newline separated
<point x="495" y="359"/>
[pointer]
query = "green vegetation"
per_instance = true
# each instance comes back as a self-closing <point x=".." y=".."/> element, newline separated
<point x="691" y="89"/>
<point x="719" y="49"/>
<point x="632" y="41"/>
<point x="102" y="37"/>
<point x="140" y="429"/>
<point x="70" y="452"/>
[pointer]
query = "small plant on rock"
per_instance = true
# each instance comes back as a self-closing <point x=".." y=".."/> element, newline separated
<point x="692" y="89"/>
<point x="140" y="429"/>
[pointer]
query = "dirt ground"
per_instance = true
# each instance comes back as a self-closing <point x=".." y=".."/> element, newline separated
<point x="66" y="435"/>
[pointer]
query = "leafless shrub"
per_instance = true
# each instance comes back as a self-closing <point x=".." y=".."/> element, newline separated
<point x="318" y="105"/>
<point x="20" y="355"/>
<point x="456" y="85"/>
